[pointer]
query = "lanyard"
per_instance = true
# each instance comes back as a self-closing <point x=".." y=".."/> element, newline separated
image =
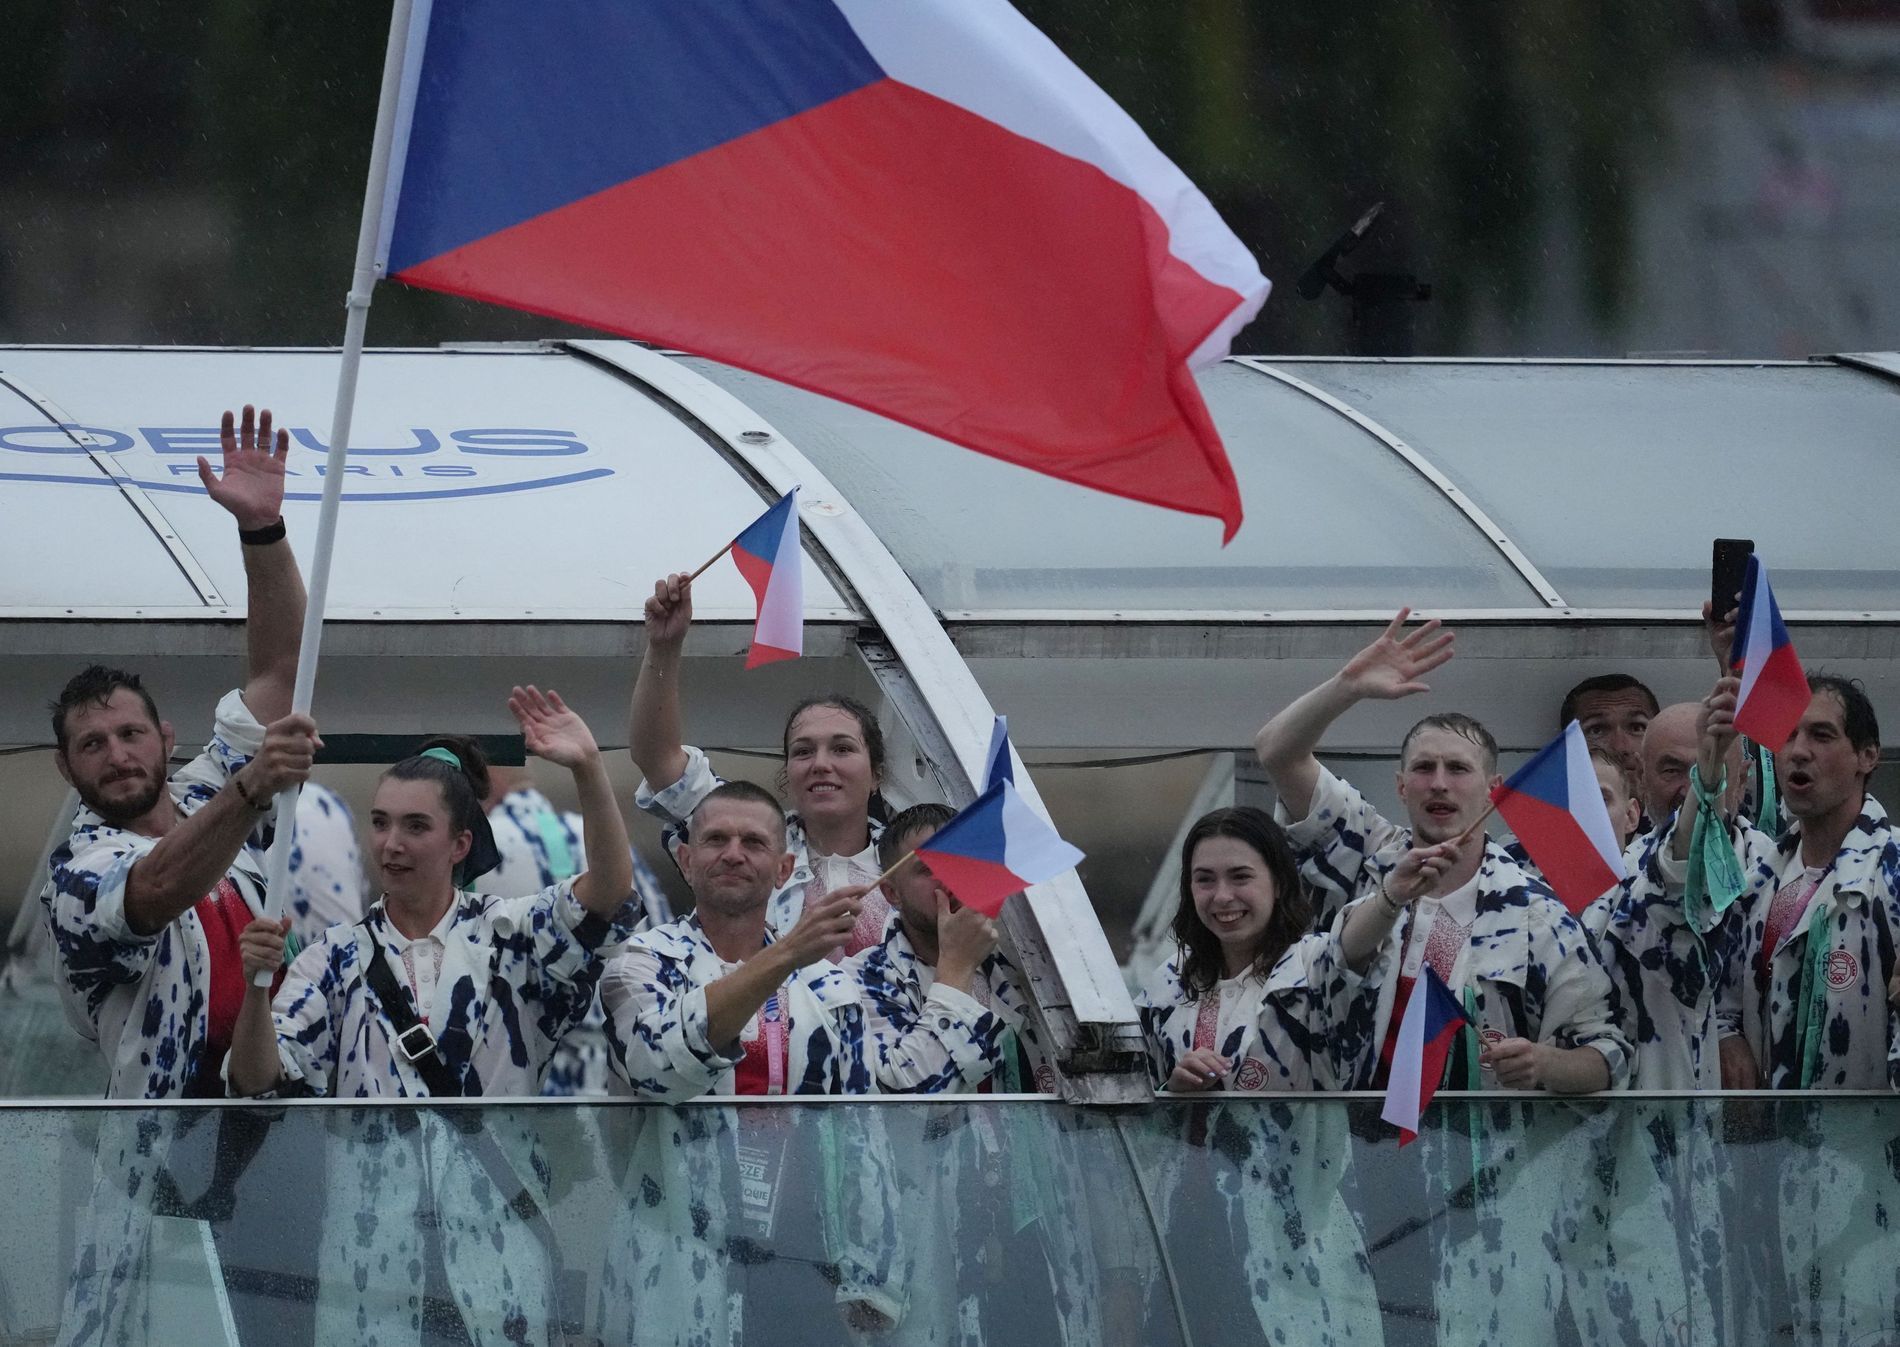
<point x="1207" y="1020"/>
<point x="772" y="1031"/>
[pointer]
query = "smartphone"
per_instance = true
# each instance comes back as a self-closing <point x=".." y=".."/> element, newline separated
<point x="1726" y="573"/>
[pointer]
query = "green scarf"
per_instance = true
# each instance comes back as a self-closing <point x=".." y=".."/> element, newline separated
<point x="1768" y="798"/>
<point x="1813" y="1012"/>
<point x="1715" y="876"/>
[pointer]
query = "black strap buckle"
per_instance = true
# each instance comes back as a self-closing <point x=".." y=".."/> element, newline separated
<point x="416" y="1042"/>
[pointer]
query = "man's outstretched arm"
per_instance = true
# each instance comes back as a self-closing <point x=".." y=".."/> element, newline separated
<point x="1387" y="669"/>
<point x="250" y="485"/>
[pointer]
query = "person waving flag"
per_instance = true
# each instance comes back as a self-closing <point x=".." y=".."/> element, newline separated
<point x="1774" y="694"/>
<point x="922" y="208"/>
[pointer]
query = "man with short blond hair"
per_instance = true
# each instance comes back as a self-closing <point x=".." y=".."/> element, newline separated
<point x="1440" y="891"/>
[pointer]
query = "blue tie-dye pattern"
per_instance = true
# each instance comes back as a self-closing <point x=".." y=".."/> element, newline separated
<point x="655" y="998"/>
<point x="1307" y="1023"/>
<point x="1277" y="1192"/>
<point x="941" y="1039"/>
<point x="142" y="998"/>
<point x="326" y="866"/>
<point x="1860" y="1038"/>
<point x="1532" y="970"/>
<point x="517" y="974"/>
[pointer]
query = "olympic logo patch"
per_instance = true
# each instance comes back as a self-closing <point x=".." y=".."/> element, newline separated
<point x="1843" y="970"/>
<point x="1251" y="1076"/>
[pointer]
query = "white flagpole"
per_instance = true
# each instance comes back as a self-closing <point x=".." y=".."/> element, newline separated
<point x="362" y="286"/>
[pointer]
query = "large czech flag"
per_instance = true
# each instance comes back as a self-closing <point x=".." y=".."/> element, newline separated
<point x="917" y="206"/>
<point x="1426" y="1034"/>
<point x="996" y="847"/>
<point x="1555" y="806"/>
<point x="1774" y="694"/>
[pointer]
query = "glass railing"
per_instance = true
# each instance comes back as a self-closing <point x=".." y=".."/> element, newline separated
<point x="1732" y="1219"/>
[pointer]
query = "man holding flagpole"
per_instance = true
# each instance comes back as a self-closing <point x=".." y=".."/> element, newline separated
<point x="163" y="871"/>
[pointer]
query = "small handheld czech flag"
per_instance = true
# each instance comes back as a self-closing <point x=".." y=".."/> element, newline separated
<point x="996" y="847"/>
<point x="1555" y="806"/>
<point x="770" y="557"/>
<point x="998" y="767"/>
<point x="1431" y="1023"/>
<point x="1774" y="693"/>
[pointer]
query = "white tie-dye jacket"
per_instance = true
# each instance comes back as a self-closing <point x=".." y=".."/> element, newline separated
<point x="1860" y="893"/>
<point x="143" y="998"/>
<point x="1302" y="1025"/>
<point x="1668" y="977"/>
<point x="654" y="994"/>
<point x="326" y="866"/>
<point x="1531" y="968"/>
<point x="1276" y="1171"/>
<point x="517" y="974"/>
<point x="929" y="1038"/>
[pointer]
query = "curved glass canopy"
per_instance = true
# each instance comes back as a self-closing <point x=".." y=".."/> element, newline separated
<point x="1335" y="521"/>
<point x="1613" y="478"/>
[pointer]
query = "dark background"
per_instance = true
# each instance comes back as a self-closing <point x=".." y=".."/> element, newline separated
<point x="1572" y="177"/>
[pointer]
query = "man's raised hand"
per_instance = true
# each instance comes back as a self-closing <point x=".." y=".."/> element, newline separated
<point x="824" y="925"/>
<point x="251" y="483"/>
<point x="1418" y="872"/>
<point x="1392" y="666"/>
<point x="285" y="759"/>
<point x="550" y="729"/>
<point x="1715" y="728"/>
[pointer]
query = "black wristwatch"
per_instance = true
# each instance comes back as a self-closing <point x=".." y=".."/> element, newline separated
<point x="270" y="533"/>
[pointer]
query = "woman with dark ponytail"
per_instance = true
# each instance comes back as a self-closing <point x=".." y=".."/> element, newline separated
<point x="834" y="765"/>
<point x="483" y="987"/>
<point x="442" y="990"/>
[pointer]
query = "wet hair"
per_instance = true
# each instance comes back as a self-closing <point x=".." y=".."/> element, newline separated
<point x="1615" y="682"/>
<point x="868" y="729"/>
<point x="1598" y="753"/>
<point x="1461" y="725"/>
<point x="905" y="825"/>
<point x="1857" y="711"/>
<point x="748" y="793"/>
<point x="1201" y="962"/>
<point x="94" y="686"/>
<point x="464" y="785"/>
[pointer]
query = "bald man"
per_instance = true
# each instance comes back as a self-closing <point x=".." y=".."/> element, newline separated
<point x="1667" y="974"/>
<point x="1669" y="751"/>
